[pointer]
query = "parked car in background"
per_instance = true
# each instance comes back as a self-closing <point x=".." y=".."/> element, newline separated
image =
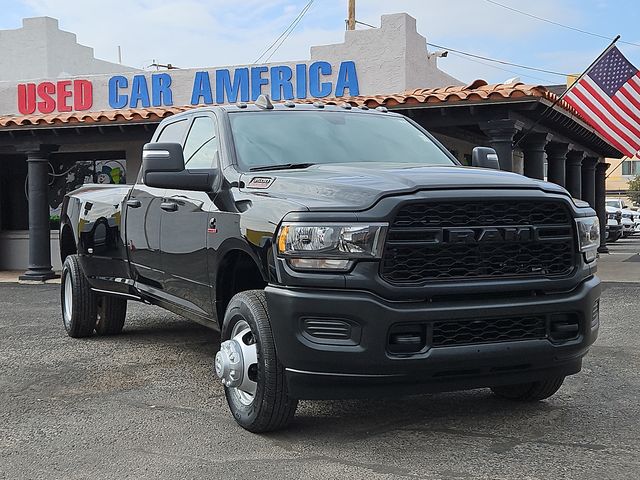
<point x="628" y="215"/>
<point x="629" y="221"/>
<point x="615" y="203"/>
<point x="614" y="224"/>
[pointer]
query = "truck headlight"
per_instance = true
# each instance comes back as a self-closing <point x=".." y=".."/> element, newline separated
<point x="314" y="246"/>
<point x="589" y="237"/>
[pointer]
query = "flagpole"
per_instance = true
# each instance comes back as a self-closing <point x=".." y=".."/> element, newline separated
<point x="560" y="97"/>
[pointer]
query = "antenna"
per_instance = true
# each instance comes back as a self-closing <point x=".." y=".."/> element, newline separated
<point x="264" y="102"/>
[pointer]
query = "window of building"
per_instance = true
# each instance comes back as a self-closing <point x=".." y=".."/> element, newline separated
<point x="631" y="167"/>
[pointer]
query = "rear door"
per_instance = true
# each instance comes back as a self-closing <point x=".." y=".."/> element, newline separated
<point x="185" y="222"/>
<point x="143" y="221"/>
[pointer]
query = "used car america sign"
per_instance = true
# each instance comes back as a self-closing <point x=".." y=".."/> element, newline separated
<point x="225" y="85"/>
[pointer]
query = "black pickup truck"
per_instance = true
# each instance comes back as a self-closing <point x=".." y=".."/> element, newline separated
<point x="342" y="252"/>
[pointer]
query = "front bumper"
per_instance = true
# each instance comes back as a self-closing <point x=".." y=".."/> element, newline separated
<point x="364" y="368"/>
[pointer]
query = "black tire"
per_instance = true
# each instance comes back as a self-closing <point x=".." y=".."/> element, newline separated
<point x="112" y="312"/>
<point x="77" y="300"/>
<point x="530" y="392"/>
<point x="271" y="407"/>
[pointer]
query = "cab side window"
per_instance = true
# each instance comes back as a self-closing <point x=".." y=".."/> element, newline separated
<point x="202" y="145"/>
<point x="174" y="132"/>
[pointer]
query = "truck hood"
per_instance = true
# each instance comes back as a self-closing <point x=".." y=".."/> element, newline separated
<point x="357" y="186"/>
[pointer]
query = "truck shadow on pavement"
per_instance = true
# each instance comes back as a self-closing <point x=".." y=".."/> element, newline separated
<point x="346" y="420"/>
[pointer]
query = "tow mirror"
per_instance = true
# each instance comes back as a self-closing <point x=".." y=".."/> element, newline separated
<point x="485" y="157"/>
<point x="163" y="167"/>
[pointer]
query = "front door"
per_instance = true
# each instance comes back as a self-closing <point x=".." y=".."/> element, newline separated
<point x="185" y="224"/>
<point x="143" y="219"/>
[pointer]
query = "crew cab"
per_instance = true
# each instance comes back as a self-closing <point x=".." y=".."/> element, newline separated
<point x="342" y="252"/>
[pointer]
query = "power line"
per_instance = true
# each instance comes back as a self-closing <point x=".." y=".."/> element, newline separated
<point x="546" y="80"/>
<point x="568" y="27"/>
<point x="293" y="27"/>
<point x="503" y="62"/>
<point x="285" y="34"/>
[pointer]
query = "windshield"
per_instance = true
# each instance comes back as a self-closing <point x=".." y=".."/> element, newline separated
<point x="614" y="203"/>
<point x="318" y="137"/>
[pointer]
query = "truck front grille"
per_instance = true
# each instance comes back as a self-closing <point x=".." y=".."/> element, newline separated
<point x="454" y="240"/>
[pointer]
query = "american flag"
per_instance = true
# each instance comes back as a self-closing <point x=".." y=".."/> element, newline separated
<point x="608" y="98"/>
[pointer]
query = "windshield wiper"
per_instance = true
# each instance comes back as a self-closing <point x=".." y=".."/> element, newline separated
<point x="283" y="166"/>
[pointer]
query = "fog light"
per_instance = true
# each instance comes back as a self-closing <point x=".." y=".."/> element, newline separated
<point x="563" y="327"/>
<point x="407" y="339"/>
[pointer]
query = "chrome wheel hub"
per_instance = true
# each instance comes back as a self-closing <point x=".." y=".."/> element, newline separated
<point x="229" y="364"/>
<point x="236" y="363"/>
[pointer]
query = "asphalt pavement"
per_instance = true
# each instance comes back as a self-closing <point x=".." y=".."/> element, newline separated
<point x="145" y="405"/>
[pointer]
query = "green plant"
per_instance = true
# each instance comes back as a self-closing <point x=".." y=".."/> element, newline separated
<point x="54" y="222"/>
<point x="633" y="190"/>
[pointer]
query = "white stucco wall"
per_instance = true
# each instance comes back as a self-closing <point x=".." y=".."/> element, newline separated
<point x="392" y="58"/>
<point x="41" y="50"/>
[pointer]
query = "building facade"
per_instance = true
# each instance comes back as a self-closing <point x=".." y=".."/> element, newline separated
<point x="59" y="133"/>
<point x="622" y="170"/>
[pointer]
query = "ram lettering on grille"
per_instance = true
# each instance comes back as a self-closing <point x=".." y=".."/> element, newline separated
<point x="488" y="239"/>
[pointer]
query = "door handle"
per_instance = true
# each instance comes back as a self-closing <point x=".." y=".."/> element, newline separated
<point x="169" y="206"/>
<point x="133" y="203"/>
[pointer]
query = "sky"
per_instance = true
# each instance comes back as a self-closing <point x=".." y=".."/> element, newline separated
<point x="206" y="33"/>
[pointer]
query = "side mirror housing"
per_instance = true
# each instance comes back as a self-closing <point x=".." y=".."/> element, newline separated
<point x="485" y="157"/>
<point x="163" y="167"/>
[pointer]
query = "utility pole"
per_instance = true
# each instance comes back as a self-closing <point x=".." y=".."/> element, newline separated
<point x="351" y="20"/>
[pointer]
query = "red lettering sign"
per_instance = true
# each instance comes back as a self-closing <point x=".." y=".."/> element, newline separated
<point x="47" y="97"/>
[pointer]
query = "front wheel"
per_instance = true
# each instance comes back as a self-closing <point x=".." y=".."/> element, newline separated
<point x="253" y="378"/>
<point x="530" y="392"/>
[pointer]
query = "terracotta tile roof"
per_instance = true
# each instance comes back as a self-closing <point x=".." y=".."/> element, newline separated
<point x="478" y="91"/>
<point x="101" y="116"/>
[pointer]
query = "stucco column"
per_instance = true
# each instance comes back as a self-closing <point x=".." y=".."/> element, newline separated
<point x="600" y="195"/>
<point x="574" y="173"/>
<point x="500" y="134"/>
<point x="39" y="232"/>
<point x="556" y="161"/>
<point x="589" y="180"/>
<point x="533" y="149"/>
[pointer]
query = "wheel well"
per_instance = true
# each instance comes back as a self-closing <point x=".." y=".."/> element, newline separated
<point x="237" y="273"/>
<point x="67" y="243"/>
